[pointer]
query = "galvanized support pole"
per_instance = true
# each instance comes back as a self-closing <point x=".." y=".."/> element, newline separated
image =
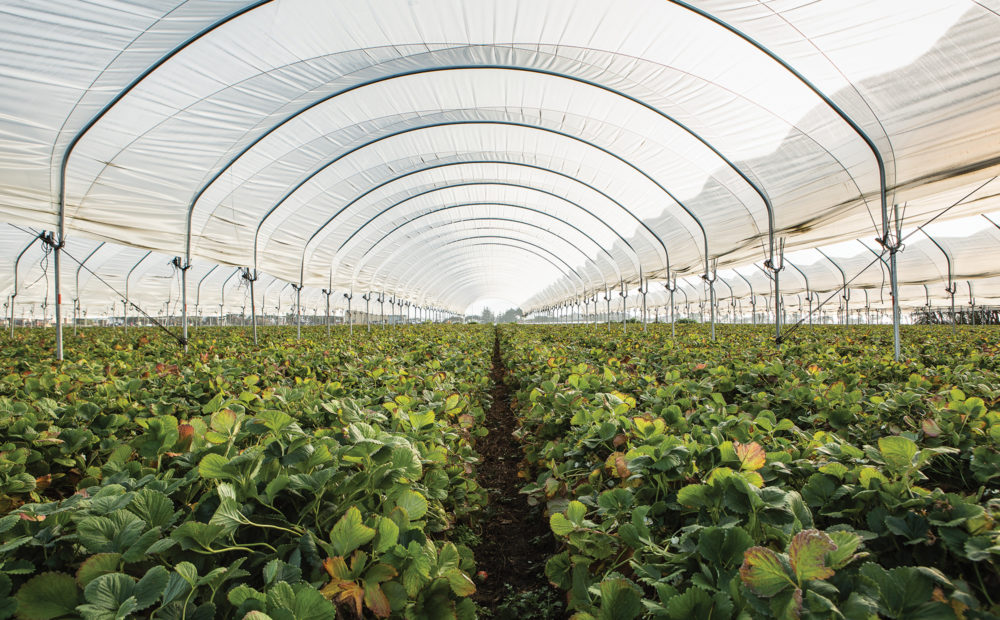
<point x="367" y="297"/>
<point x="894" y="286"/>
<point x="350" y="315"/>
<point x="251" y="277"/>
<point x="327" y="292"/>
<point x="643" y="290"/>
<point x="298" y="310"/>
<point x="671" y="286"/>
<point x="57" y="242"/>
<point x="775" y="266"/>
<point x="972" y="303"/>
<point x="623" y="293"/>
<point x="709" y="277"/>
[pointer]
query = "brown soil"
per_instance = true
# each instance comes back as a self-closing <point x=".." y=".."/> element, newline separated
<point x="516" y="541"/>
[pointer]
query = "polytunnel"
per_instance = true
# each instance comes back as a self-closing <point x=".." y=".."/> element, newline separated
<point x="533" y="309"/>
<point x="551" y="153"/>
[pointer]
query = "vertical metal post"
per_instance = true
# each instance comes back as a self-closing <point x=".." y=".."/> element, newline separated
<point x="643" y="290"/>
<point x="709" y="278"/>
<point x="776" y="266"/>
<point x="350" y="315"/>
<point x="671" y="286"/>
<point x="184" y="302"/>
<point x="623" y="293"/>
<point x="367" y="297"/>
<point x="251" y="277"/>
<point x="972" y="303"/>
<point x="327" y="292"/>
<point x="57" y="246"/>
<point x="298" y="310"/>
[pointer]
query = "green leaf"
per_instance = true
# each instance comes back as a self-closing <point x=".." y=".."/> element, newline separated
<point x="387" y="535"/>
<point x="48" y="595"/>
<point x="350" y="533"/>
<point x="214" y="467"/>
<point x="110" y="591"/>
<point x="228" y="516"/>
<point x="620" y="600"/>
<point x="151" y="586"/>
<point x="311" y="605"/>
<point x="575" y="512"/>
<point x="560" y="525"/>
<point x="807" y="555"/>
<point x="763" y="573"/>
<point x="847" y="544"/>
<point x="414" y="503"/>
<point x="460" y="583"/>
<point x="188" y="571"/>
<point x="900" y="588"/>
<point x="898" y="452"/>
<point x="196" y="535"/>
<point x="242" y="593"/>
<point x="723" y="545"/>
<point x="694" y="496"/>
<point x="698" y="603"/>
<point x="153" y="507"/>
<point x="95" y="566"/>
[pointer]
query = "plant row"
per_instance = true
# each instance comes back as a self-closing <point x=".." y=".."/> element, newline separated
<point x="286" y="482"/>
<point x="693" y="479"/>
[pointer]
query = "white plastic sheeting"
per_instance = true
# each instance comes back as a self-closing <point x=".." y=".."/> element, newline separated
<point x="528" y="150"/>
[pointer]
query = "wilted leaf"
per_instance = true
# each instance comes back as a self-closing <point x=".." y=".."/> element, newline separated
<point x="807" y="555"/>
<point x="763" y="573"/>
<point x="751" y="455"/>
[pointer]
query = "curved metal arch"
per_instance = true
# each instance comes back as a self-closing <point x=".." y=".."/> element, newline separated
<point x="448" y="164"/>
<point x="368" y="143"/>
<point x="565" y="270"/>
<point x="396" y="251"/>
<point x="819" y="93"/>
<point x="438" y="277"/>
<point x="401" y="247"/>
<point x="504" y="184"/>
<point x="125" y="91"/>
<point x="491" y="218"/>
<point x="546" y="72"/>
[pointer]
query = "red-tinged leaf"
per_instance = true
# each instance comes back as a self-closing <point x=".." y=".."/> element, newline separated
<point x="807" y="555"/>
<point x="376" y="600"/>
<point x="930" y="428"/>
<point x="751" y="455"/>
<point x="762" y="572"/>
<point x="336" y="567"/>
<point x="352" y="594"/>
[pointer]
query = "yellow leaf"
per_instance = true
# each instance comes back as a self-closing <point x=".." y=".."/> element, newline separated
<point x="751" y="455"/>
